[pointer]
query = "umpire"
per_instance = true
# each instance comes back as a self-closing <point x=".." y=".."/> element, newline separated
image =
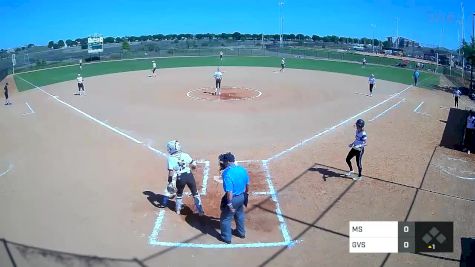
<point x="236" y="187"/>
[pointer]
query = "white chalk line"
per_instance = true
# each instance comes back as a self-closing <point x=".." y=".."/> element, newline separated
<point x="205" y="178"/>
<point x="31" y="110"/>
<point x="447" y="170"/>
<point x="416" y="110"/>
<point x="10" y="167"/>
<point x="384" y="112"/>
<point x="282" y="223"/>
<point x="336" y="126"/>
<point x="153" y="238"/>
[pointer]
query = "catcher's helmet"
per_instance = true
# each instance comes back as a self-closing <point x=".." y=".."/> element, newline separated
<point x="173" y="146"/>
<point x="360" y="123"/>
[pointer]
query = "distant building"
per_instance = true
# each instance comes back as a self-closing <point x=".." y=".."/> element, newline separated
<point x="401" y="42"/>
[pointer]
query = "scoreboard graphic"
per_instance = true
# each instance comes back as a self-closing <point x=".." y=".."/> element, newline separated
<point x="395" y="237"/>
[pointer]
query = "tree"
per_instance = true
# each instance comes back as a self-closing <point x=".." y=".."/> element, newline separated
<point x="109" y="40"/>
<point x="30" y="45"/>
<point x="125" y="45"/>
<point x="469" y="54"/>
<point x="70" y="42"/>
<point x="61" y="43"/>
<point x="236" y="36"/>
<point x="386" y="44"/>
<point x="50" y="44"/>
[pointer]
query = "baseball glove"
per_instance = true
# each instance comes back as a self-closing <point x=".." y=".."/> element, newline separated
<point x="171" y="188"/>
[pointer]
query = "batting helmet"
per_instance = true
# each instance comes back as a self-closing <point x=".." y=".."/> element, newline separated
<point x="173" y="146"/>
<point x="360" y="123"/>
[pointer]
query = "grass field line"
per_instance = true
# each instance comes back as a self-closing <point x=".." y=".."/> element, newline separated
<point x="304" y="142"/>
<point x="10" y="167"/>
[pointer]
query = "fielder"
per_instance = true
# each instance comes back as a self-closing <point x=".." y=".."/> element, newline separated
<point x="80" y="64"/>
<point x="357" y="149"/>
<point x="218" y="76"/>
<point x="179" y="176"/>
<point x="372" y="82"/>
<point x="80" y="85"/>
<point x="154" y="68"/>
<point x="282" y="65"/>
<point x="221" y="55"/>
<point x="364" y="62"/>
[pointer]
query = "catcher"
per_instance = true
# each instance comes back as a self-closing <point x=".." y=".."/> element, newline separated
<point x="179" y="176"/>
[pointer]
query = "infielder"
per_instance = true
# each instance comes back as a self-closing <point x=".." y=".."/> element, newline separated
<point x="457" y="94"/>
<point x="80" y="85"/>
<point x="5" y="89"/>
<point x="372" y="82"/>
<point x="179" y="175"/>
<point x="357" y="149"/>
<point x="218" y="76"/>
<point x="154" y="68"/>
<point x="282" y="65"/>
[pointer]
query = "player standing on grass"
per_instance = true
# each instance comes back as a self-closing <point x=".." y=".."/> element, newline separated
<point x="372" y="82"/>
<point x="221" y="55"/>
<point x="218" y="76"/>
<point x="457" y="94"/>
<point x="80" y="85"/>
<point x="179" y="172"/>
<point x="357" y="149"/>
<point x="80" y="63"/>
<point x="5" y="89"/>
<point x="282" y="65"/>
<point x="364" y="62"/>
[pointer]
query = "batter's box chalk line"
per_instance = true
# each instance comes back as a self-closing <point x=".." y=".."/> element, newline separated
<point x="287" y="241"/>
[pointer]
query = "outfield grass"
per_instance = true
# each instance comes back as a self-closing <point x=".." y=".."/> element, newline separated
<point x="61" y="74"/>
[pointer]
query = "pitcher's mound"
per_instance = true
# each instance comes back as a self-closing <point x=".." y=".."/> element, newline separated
<point x="231" y="93"/>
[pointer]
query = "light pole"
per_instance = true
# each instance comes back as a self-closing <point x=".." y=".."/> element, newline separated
<point x="372" y="40"/>
<point x="281" y="5"/>
<point x="472" y="55"/>
<point x="397" y="32"/>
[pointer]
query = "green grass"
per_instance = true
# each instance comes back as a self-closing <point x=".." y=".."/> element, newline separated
<point x="46" y="77"/>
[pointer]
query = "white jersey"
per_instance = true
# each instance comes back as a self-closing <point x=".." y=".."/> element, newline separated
<point x="80" y="80"/>
<point x="282" y="62"/>
<point x="154" y="65"/>
<point x="218" y="75"/>
<point x="457" y="93"/>
<point x="372" y="80"/>
<point x="360" y="140"/>
<point x="179" y="163"/>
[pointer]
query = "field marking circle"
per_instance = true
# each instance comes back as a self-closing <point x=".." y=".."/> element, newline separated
<point x="202" y="89"/>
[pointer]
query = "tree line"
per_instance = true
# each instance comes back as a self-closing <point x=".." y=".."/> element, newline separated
<point x="236" y="36"/>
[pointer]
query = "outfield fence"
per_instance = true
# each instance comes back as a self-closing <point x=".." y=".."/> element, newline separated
<point x="31" y="59"/>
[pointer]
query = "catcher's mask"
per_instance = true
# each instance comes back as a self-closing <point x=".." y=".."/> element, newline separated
<point x="224" y="159"/>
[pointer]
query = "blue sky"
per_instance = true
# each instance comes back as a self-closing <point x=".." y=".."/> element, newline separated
<point x="429" y="22"/>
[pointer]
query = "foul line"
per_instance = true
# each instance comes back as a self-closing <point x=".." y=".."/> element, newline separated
<point x="117" y="131"/>
<point x="335" y="126"/>
<point x="384" y="112"/>
<point x="417" y="108"/>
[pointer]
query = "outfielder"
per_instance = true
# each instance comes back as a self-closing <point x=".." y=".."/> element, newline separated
<point x="80" y="85"/>
<point x="415" y="75"/>
<point x="218" y="76"/>
<point x="372" y="82"/>
<point x="357" y="149"/>
<point x="282" y="65"/>
<point x="221" y="55"/>
<point x="179" y="172"/>
<point x="364" y="62"/>
<point x="80" y="64"/>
